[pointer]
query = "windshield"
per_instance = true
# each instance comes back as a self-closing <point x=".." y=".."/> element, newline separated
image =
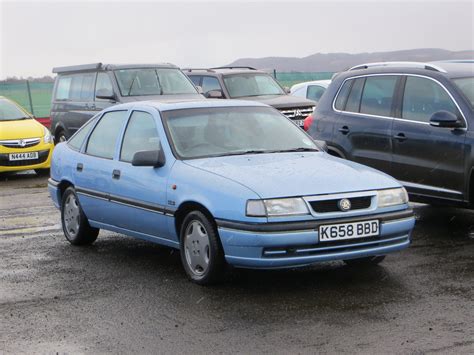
<point x="153" y="81"/>
<point x="241" y="85"/>
<point x="10" y="112"/>
<point x="197" y="133"/>
<point x="466" y="85"/>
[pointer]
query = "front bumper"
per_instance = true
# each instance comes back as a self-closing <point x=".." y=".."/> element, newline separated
<point x="45" y="151"/>
<point x="279" y="245"/>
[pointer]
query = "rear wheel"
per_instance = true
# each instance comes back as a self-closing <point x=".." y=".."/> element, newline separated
<point x="201" y="251"/>
<point x="76" y="228"/>
<point x="371" y="260"/>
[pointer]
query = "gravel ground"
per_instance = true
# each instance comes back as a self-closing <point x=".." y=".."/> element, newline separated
<point x="124" y="295"/>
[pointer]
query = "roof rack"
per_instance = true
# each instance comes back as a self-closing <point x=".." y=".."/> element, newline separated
<point x="418" y="65"/>
<point x="198" y="69"/>
<point x="234" y="67"/>
<point x="82" y="67"/>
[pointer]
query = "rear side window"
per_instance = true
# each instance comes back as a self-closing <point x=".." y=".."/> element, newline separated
<point x="377" y="96"/>
<point x="76" y="141"/>
<point x="76" y="87"/>
<point x="342" y="96"/>
<point x="423" y="97"/>
<point x="63" y="88"/>
<point x="353" y="101"/>
<point x="195" y="79"/>
<point x="103" y="139"/>
<point x="140" y="135"/>
<point x="315" y="92"/>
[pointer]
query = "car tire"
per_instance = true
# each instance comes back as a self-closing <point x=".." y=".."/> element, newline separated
<point x="202" y="255"/>
<point x="76" y="228"/>
<point x="42" y="172"/>
<point x="371" y="260"/>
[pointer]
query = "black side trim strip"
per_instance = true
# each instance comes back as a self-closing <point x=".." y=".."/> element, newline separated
<point x="127" y="201"/>
<point x="309" y="225"/>
<point x="53" y="183"/>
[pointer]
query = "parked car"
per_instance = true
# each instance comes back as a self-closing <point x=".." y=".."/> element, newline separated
<point x="225" y="182"/>
<point x="414" y="121"/>
<point x="312" y="90"/>
<point x="247" y="83"/>
<point x="81" y="91"/>
<point x="25" y="144"/>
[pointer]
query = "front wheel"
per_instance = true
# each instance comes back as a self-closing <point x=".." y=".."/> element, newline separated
<point x="76" y="228"/>
<point x="371" y="260"/>
<point x="201" y="251"/>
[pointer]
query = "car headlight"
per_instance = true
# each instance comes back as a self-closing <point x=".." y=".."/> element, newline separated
<point x="276" y="207"/>
<point x="47" y="138"/>
<point x="392" y="197"/>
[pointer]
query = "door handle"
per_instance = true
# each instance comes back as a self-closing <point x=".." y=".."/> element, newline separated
<point x="116" y="174"/>
<point x="79" y="167"/>
<point x="344" y="130"/>
<point x="400" y="137"/>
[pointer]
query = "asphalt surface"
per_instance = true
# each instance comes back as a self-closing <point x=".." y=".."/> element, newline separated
<point x="124" y="295"/>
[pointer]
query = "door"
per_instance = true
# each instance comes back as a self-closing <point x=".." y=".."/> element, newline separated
<point x="363" y="129"/>
<point x="94" y="168"/>
<point x="138" y="194"/>
<point x="428" y="160"/>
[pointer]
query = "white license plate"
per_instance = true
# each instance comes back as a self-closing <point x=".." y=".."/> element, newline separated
<point x="23" y="156"/>
<point x="299" y="122"/>
<point x="332" y="232"/>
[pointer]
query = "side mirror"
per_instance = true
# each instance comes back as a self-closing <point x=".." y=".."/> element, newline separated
<point x="199" y="89"/>
<point x="445" y="119"/>
<point x="154" y="158"/>
<point x="321" y="145"/>
<point x="286" y="89"/>
<point x="105" y="94"/>
<point x="214" y="94"/>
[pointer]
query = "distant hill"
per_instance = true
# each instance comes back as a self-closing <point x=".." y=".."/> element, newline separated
<point x="332" y="62"/>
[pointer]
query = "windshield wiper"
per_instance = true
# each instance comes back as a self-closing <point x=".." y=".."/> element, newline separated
<point x="131" y="85"/>
<point x="301" y="149"/>
<point x="244" y="152"/>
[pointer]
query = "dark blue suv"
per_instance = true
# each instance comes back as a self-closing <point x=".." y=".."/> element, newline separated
<point x="414" y="121"/>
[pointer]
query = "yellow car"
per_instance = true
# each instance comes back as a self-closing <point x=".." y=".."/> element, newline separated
<point x="24" y="142"/>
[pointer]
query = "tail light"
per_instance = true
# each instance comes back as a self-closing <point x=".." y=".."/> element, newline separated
<point x="307" y="122"/>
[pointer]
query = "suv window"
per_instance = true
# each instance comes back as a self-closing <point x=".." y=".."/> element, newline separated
<point x="103" y="138"/>
<point x="76" y="140"/>
<point x="377" y="96"/>
<point x="140" y="135"/>
<point x="210" y="83"/>
<point x="353" y="101"/>
<point x="64" y="85"/>
<point x="342" y="96"/>
<point x="103" y="83"/>
<point x="314" y="92"/>
<point x="76" y="87"/>
<point x="195" y="79"/>
<point x="423" y="97"/>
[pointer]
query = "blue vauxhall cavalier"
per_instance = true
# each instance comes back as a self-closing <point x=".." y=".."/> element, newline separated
<point x="225" y="182"/>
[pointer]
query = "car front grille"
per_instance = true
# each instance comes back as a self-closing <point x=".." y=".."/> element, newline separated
<point x="297" y="113"/>
<point x="20" y="143"/>
<point x="42" y="157"/>
<point x="336" y="247"/>
<point x="326" y="206"/>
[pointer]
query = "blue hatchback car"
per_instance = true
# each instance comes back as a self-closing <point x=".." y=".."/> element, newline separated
<point x="225" y="182"/>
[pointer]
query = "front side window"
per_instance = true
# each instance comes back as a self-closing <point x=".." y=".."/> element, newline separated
<point x="423" y="97"/>
<point x="103" y="139"/>
<point x="140" y="135"/>
<point x="10" y="112"/>
<point x="241" y="85"/>
<point x="78" y="138"/>
<point x="233" y="130"/>
<point x="153" y="81"/>
<point x="210" y="83"/>
<point x="195" y="79"/>
<point x="377" y="96"/>
<point x="103" y="84"/>
<point x="315" y="92"/>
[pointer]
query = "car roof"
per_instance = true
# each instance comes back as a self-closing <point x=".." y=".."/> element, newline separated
<point x="187" y="104"/>
<point x="324" y="83"/>
<point x="223" y="70"/>
<point x="101" y="66"/>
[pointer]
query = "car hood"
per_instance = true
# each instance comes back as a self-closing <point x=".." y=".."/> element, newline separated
<point x="18" y="129"/>
<point x="295" y="174"/>
<point x="163" y="98"/>
<point x="280" y="101"/>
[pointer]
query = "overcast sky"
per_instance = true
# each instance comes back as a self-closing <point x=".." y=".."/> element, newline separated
<point x="39" y="35"/>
